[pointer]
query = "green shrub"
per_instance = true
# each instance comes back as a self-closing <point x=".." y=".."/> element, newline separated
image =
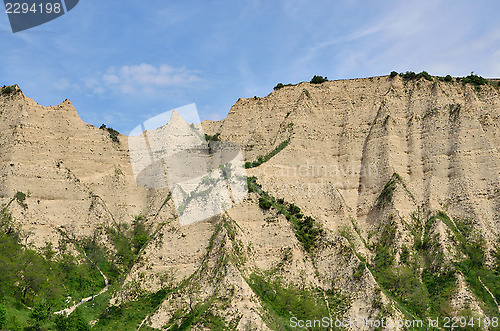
<point x="3" y="314"/>
<point x="405" y="254"/>
<point x="128" y="241"/>
<point x="140" y="233"/>
<point x="215" y="137"/>
<point x="72" y="322"/>
<point x="262" y="159"/>
<point x="318" y="79"/>
<point x="20" y="198"/>
<point x="385" y="196"/>
<point x="113" y="134"/>
<point x="383" y="258"/>
<point x="253" y="186"/>
<point x="7" y="89"/>
<point x="447" y="78"/>
<point x="293" y="209"/>
<point x="265" y="203"/>
<point x="281" y="85"/>
<point x="308" y="232"/>
<point x="410" y="75"/>
<point x="393" y="74"/>
<point x="283" y="301"/>
<point x="359" y="271"/>
<point x="474" y="80"/>
<point x="425" y="75"/>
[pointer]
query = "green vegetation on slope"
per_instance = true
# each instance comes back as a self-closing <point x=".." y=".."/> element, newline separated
<point x="128" y="241"/>
<point x="473" y="247"/>
<point x="385" y="197"/>
<point x="113" y="134"/>
<point x="419" y="275"/>
<point x="410" y="75"/>
<point x="201" y="314"/>
<point x="283" y="301"/>
<point x="7" y="89"/>
<point x="281" y="85"/>
<point x="129" y="315"/>
<point x="421" y="281"/>
<point x="263" y="159"/>
<point x="36" y="282"/>
<point x="307" y="230"/>
<point x="215" y="137"/>
<point x="474" y="80"/>
<point x="39" y="279"/>
<point x="318" y="79"/>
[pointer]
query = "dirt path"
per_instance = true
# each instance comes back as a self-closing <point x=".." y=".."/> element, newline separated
<point x="487" y="289"/>
<point x="69" y="310"/>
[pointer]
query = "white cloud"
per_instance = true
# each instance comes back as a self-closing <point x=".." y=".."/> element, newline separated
<point x="141" y="78"/>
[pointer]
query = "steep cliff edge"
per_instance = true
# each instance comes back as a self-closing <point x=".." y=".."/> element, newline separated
<point x="76" y="175"/>
<point x="368" y="198"/>
<point x="441" y="137"/>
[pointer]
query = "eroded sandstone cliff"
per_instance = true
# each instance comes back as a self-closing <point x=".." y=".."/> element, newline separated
<point x="381" y="200"/>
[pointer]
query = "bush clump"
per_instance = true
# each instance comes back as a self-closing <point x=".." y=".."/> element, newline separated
<point x="262" y="159"/>
<point x="21" y="197"/>
<point x="40" y="278"/>
<point x="140" y="233"/>
<point x="215" y="137"/>
<point x="129" y="240"/>
<point x="425" y="75"/>
<point x="393" y="74"/>
<point x="410" y="75"/>
<point x="318" y="79"/>
<point x="74" y="321"/>
<point x="265" y="203"/>
<point x="283" y="300"/>
<point x="280" y="85"/>
<point x="474" y="80"/>
<point x="7" y="89"/>
<point x="307" y="230"/>
<point x="113" y="134"/>
<point x="446" y="78"/>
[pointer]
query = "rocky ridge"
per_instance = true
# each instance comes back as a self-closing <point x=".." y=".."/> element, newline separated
<point x="376" y="208"/>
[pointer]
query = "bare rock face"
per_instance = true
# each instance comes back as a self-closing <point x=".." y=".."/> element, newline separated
<point x="373" y="198"/>
<point x="76" y="176"/>
<point x="351" y="136"/>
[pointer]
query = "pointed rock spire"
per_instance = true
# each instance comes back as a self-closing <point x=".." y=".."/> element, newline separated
<point x="176" y="118"/>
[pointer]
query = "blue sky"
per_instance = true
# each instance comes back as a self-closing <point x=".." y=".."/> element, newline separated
<point x="122" y="62"/>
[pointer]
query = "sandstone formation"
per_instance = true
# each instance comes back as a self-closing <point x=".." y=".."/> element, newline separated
<point x="393" y="174"/>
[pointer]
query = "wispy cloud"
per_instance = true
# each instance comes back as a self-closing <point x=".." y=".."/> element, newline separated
<point x="141" y="78"/>
<point x="407" y="36"/>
